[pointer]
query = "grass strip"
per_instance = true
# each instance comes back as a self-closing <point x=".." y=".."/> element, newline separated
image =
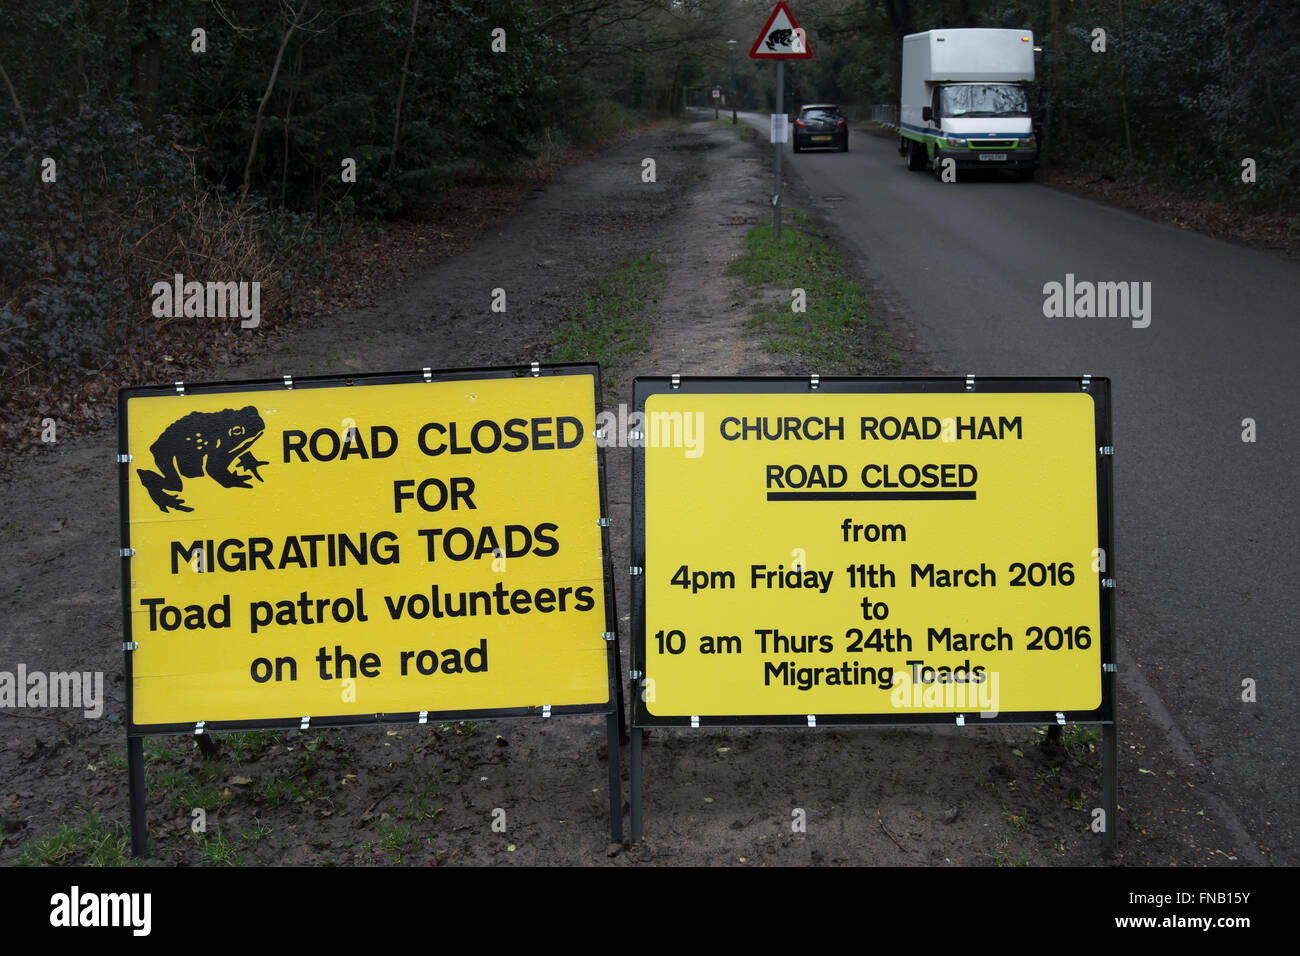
<point x="609" y="328"/>
<point x="836" y="329"/>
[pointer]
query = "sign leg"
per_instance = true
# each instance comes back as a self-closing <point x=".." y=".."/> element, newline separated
<point x="136" y="794"/>
<point x="636" y="784"/>
<point x="616" y="663"/>
<point x="622" y="707"/>
<point x="207" y="746"/>
<point x="615" y="752"/>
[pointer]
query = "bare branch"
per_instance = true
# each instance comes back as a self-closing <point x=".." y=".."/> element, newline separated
<point x="266" y="97"/>
<point x="13" y="94"/>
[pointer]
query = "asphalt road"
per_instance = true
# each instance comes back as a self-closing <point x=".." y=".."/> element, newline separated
<point x="1207" y="529"/>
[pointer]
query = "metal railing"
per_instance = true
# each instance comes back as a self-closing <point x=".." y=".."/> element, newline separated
<point x="886" y="116"/>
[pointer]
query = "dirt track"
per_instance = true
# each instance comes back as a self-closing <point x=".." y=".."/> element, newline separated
<point x="421" y="795"/>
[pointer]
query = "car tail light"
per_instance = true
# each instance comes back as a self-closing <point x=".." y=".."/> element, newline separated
<point x="799" y="122"/>
<point x="842" y="123"/>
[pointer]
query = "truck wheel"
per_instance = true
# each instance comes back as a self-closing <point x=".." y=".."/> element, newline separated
<point x="915" y="156"/>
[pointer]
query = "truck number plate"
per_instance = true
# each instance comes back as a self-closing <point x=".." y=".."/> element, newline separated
<point x="993" y="157"/>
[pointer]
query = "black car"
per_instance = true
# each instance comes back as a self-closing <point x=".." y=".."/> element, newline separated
<point x="821" y="124"/>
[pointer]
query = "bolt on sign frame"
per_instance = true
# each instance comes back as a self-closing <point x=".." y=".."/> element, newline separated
<point x="872" y="551"/>
<point x="384" y="548"/>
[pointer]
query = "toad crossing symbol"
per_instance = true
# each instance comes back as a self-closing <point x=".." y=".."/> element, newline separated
<point x="779" y="38"/>
<point x="203" y="443"/>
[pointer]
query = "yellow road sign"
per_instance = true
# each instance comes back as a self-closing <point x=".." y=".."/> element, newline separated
<point x="903" y="554"/>
<point x="350" y="549"/>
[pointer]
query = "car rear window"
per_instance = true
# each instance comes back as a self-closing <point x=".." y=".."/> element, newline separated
<point x="822" y="114"/>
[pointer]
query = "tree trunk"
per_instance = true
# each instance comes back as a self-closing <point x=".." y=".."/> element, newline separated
<point x="261" y="107"/>
<point x="1123" y="85"/>
<point x="288" y="113"/>
<point x="401" y="90"/>
<point x="13" y="95"/>
<point x="81" y="54"/>
<point x="1058" y="64"/>
<point x="146" y="70"/>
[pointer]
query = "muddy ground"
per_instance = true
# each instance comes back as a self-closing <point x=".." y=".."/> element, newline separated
<point x="421" y="795"/>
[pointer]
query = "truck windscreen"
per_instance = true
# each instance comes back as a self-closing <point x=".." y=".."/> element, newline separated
<point x="983" y="100"/>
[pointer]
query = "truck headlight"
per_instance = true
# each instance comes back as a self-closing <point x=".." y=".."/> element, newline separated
<point x="956" y="141"/>
<point x="1028" y="143"/>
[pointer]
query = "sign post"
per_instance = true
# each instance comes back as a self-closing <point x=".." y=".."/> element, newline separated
<point x="779" y="138"/>
<point x="873" y="552"/>
<point x="384" y="548"/>
<point x="780" y="39"/>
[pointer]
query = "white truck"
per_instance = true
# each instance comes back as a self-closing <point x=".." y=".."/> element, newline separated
<point x="963" y="98"/>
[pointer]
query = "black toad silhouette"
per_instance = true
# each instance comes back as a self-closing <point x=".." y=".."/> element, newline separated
<point x="203" y="443"/>
<point x="779" y="38"/>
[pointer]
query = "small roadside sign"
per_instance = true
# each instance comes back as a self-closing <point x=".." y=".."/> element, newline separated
<point x="781" y="38"/>
<point x="780" y="129"/>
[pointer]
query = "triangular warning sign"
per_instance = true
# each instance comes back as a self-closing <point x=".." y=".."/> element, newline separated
<point x="781" y="39"/>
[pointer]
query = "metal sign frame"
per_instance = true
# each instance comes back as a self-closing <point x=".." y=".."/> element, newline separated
<point x="612" y="706"/>
<point x="1104" y="714"/>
